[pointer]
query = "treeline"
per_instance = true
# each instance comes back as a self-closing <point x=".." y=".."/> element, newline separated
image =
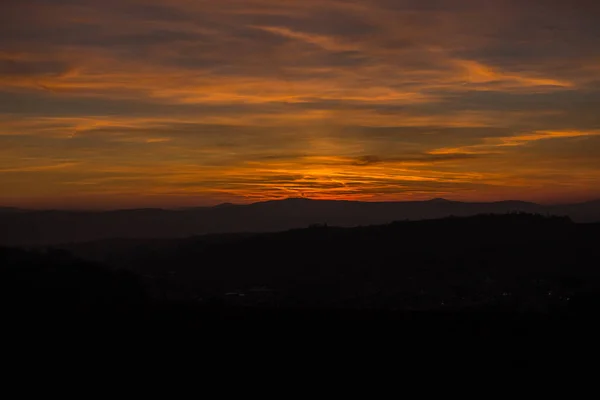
<point x="515" y="262"/>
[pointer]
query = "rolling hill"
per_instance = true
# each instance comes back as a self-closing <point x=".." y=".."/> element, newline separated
<point x="53" y="227"/>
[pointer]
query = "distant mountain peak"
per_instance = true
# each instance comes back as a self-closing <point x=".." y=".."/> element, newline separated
<point x="297" y="199"/>
<point x="9" y="209"/>
<point x="289" y="200"/>
<point x="440" y="200"/>
<point x="224" y="205"/>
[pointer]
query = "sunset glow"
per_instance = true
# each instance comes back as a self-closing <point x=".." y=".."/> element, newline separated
<point x="139" y="103"/>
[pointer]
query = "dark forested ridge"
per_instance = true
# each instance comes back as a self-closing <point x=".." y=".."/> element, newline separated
<point x="53" y="280"/>
<point x="516" y="263"/>
<point x="22" y="227"/>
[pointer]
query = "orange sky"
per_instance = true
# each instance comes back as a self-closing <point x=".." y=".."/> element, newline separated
<point x="131" y="103"/>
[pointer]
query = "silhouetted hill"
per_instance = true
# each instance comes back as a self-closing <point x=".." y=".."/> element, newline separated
<point x="439" y="200"/>
<point x="518" y="260"/>
<point x="582" y="212"/>
<point x="55" y="281"/>
<point x="51" y="227"/>
<point x="224" y="205"/>
<point x="10" y="209"/>
<point x="488" y="274"/>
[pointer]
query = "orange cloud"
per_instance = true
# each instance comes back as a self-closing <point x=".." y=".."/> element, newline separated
<point x="476" y="72"/>
<point x="40" y="168"/>
<point x="495" y="144"/>
<point x="323" y="41"/>
<point x="257" y="99"/>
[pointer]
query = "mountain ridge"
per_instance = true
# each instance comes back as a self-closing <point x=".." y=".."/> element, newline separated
<point x="51" y="227"/>
<point x="297" y="200"/>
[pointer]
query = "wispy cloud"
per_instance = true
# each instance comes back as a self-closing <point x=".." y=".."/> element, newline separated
<point x="323" y="41"/>
<point x="40" y="168"/>
<point x="497" y="144"/>
<point x="368" y="99"/>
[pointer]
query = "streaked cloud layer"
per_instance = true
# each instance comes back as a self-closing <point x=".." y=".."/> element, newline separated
<point x="169" y="103"/>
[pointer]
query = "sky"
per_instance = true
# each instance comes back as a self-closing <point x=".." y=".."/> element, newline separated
<point x="171" y="103"/>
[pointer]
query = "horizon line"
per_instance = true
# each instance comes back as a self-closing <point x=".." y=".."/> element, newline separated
<point x="183" y="208"/>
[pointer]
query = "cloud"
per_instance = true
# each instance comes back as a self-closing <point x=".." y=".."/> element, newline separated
<point x="40" y="168"/>
<point x="369" y="99"/>
<point x="426" y="159"/>
<point x="477" y="72"/>
<point x="491" y="144"/>
<point x="325" y="42"/>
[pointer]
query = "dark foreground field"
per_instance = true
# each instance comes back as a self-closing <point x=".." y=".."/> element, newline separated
<point x="487" y="275"/>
